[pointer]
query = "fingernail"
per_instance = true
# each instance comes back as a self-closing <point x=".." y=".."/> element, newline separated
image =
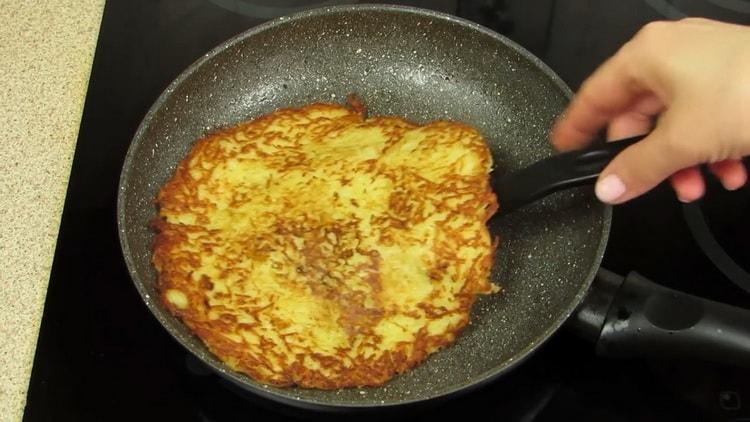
<point x="609" y="189"/>
<point x="735" y="182"/>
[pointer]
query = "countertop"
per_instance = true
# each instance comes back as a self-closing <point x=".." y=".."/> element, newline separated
<point x="46" y="52"/>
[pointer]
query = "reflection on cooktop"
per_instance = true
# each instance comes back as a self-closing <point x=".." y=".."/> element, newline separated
<point x="269" y="9"/>
<point x="726" y="10"/>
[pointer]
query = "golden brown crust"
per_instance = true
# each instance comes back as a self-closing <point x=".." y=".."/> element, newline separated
<point x="315" y="247"/>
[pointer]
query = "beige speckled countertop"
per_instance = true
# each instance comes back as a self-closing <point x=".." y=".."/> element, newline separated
<point x="46" y="51"/>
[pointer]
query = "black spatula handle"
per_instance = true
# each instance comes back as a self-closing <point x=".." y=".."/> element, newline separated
<point x="561" y="171"/>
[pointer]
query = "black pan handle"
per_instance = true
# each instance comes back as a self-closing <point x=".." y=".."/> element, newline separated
<point x="561" y="171"/>
<point x="644" y="319"/>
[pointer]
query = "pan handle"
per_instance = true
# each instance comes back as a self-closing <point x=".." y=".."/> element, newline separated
<point x="643" y="319"/>
<point x="561" y="171"/>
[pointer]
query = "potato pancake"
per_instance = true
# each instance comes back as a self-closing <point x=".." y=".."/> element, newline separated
<point x="317" y="247"/>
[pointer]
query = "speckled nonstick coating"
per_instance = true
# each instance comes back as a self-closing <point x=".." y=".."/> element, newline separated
<point x="408" y="62"/>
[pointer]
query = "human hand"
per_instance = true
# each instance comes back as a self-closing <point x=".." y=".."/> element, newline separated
<point x="695" y="75"/>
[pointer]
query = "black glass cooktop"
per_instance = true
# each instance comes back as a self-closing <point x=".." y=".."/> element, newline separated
<point x="101" y="356"/>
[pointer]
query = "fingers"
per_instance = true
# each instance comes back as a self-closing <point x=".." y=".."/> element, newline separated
<point x="642" y="166"/>
<point x="688" y="184"/>
<point x="731" y="173"/>
<point x="609" y="92"/>
<point x="637" y="120"/>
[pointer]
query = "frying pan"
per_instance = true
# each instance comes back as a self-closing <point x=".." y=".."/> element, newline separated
<point x="423" y="66"/>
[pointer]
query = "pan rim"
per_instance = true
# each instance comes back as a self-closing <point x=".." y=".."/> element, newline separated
<point x="263" y="390"/>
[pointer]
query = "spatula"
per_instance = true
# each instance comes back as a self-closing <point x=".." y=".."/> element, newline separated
<point x="561" y="171"/>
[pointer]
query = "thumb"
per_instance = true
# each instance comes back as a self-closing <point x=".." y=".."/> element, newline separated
<point x="641" y="166"/>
